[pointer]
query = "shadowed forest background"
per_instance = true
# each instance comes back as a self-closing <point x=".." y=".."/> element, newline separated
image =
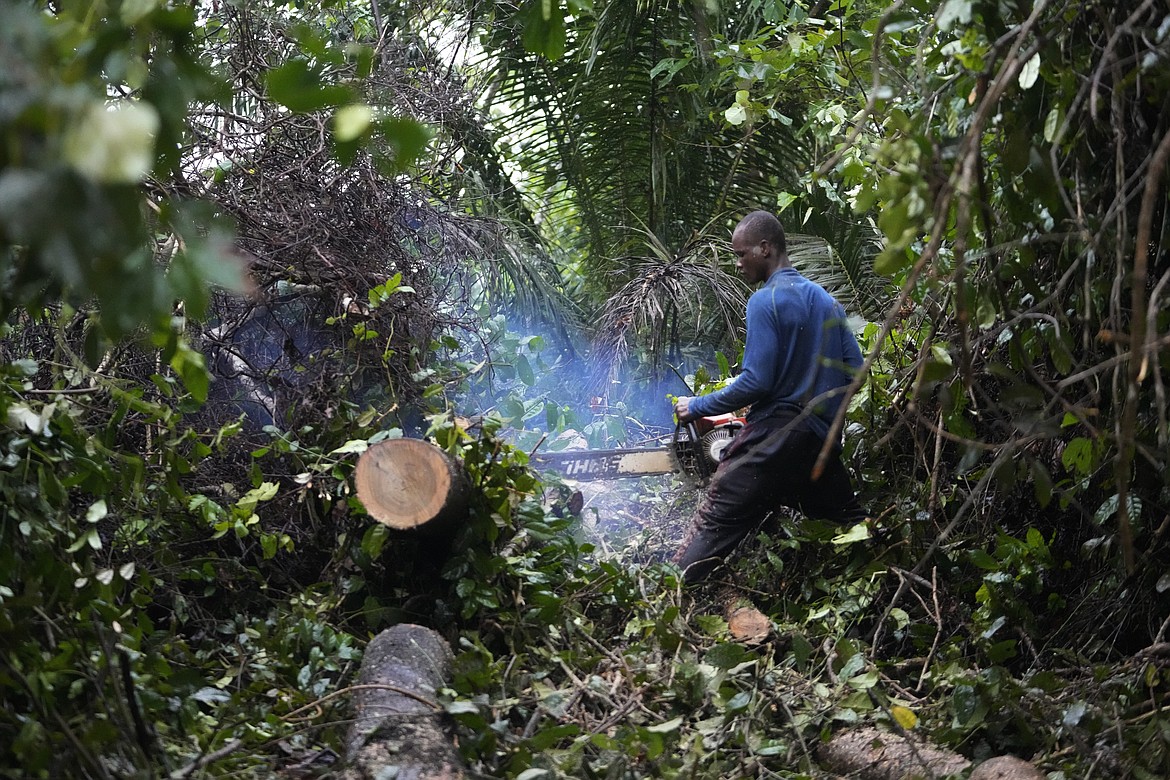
<point x="241" y="242"/>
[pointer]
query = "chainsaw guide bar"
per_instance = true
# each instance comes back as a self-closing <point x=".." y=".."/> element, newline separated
<point x="694" y="451"/>
<point x="608" y="464"/>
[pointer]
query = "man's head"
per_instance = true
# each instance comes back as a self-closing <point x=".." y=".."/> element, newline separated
<point x="759" y="246"/>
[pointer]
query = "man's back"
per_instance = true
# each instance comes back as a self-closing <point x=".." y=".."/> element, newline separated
<point x="814" y="353"/>
<point x="798" y="348"/>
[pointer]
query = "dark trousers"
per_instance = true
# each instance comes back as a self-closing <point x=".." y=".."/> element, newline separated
<point x="766" y="467"/>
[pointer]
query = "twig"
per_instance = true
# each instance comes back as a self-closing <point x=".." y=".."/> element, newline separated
<point x="871" y="98"/>
<point x="792" y="723"/>
<point x="536" y="446"/>
<point x="366" y="687"/>
<point x="1137" y="341"/>
<point x="1008" y="451"/>
<point x="1162" y="631"/>
<point x="938" y="628"/>
<point x="207" y="759"/>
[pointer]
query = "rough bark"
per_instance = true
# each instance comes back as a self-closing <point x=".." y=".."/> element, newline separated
<point x="870" y="754"/>
<point x="878" y="755"/>
<point x="410" y="484"/>
<point x="399" y="729"/>
<point x="1006" y="768"/>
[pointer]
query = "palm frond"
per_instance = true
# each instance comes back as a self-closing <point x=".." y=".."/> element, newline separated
<point x="670" y="297"/>
<point x="840" y="259"/>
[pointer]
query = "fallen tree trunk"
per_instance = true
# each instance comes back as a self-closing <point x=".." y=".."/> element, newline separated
<point x="399" y="729"/>
<point x="410" y="484"/>
<point x="870" y="754"/>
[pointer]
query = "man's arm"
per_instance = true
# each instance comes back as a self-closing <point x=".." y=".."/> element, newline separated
<point x="850" y="349"/>
<point x="759" y="365"/>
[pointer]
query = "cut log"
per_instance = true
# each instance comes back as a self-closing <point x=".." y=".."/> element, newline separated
<point x="879" y="755"/>
<point x="410" y="484"/>
<point x="399" y="729"/>
<point x="1006" y="768"/>
<point x="870" y="754"/>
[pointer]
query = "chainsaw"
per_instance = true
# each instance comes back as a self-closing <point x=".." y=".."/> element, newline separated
<point x="694" y="450"/>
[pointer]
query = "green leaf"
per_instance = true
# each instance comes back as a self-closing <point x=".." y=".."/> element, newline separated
<point x="192" y="369"/>
<point x="1041" y="483"/>
<point x="114" y="145"/>
<point x="953" y="11"/>
<point x="299" y="87"/>
<point x="739" y="702"/>
<point x="79" y="542"/>
<point x="724" y="366"/>
<point x="711" y="625"/>
<point x="735" y="114"/>
<point x="524" y="370"/>
<point x="352" y="121"/>
<point x="890" y="261"/>
<point x="1110" y="506"/>
<point x="544" y="28"/>
<point x="1030" y="72"/>
<point x="1001" y="652"/>
<point x="353" y="445"/>
<point x="462" y="708"/>
<point x="374" y="540"/>
<point x="408" y="139"/>
<point x="266" y="492"/>
<point x="983" y="560"/>
<point x="1078" y="456"/>
<point x="666" y="727"/>
<point x="96" y="511"/>
<point x="939" y="365"/>
<point x="1052" y="124"/>
<point x="858" y="533"/>
<point x="727" y="655"/>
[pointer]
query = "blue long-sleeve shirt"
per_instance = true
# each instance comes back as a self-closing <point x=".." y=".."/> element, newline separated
<point x="798" y="347"/>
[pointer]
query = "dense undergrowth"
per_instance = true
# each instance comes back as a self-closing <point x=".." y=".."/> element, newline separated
<point x="155" y="624"/>
<point x="187" y="582"/>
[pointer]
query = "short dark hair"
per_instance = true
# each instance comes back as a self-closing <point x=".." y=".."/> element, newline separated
<point x="763" y="226"/>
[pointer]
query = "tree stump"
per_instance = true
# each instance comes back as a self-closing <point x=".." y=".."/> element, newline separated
<point x="399" y="729"/>
<point x="410" y="484"/>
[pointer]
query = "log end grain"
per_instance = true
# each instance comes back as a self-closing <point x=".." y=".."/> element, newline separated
<point x="410" y="484"/>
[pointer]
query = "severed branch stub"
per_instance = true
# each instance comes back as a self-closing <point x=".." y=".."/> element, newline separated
<point x="749" y="625"/>
<point x="410" y="484"/>
<point x="745" y="623"/>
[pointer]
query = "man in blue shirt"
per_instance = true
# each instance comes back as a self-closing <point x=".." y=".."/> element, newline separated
<point x="798" y="358"/>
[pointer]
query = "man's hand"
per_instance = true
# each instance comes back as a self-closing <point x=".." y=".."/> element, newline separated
<point x="682" y="408"/>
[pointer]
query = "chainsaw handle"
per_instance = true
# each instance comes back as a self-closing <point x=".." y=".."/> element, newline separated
<point x="695" y="455"/>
